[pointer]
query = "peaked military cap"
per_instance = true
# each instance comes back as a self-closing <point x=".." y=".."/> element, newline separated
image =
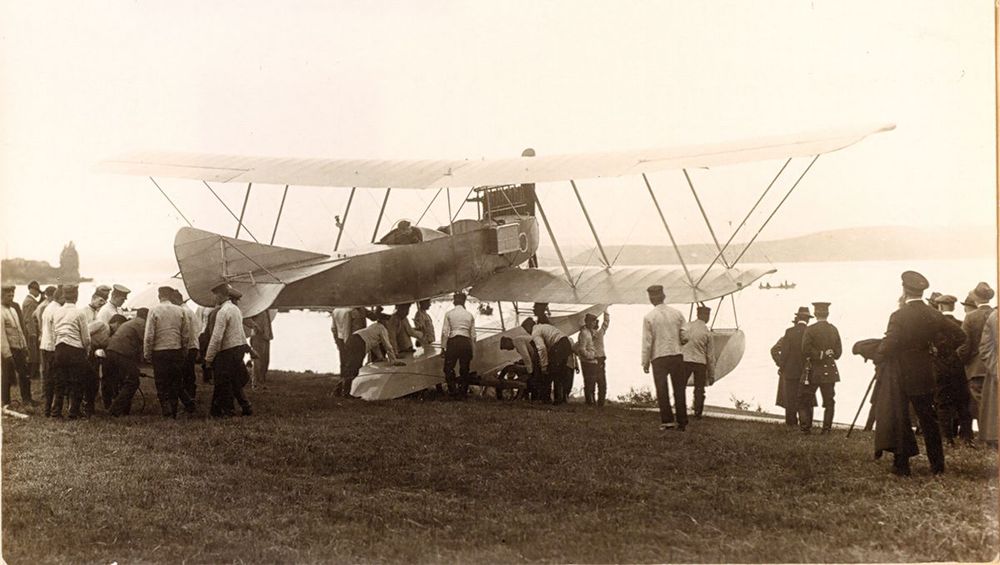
<point x="120" y="289"/>
<point x="914" y="281"/>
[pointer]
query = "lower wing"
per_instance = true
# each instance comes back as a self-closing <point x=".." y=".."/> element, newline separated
<point x="618" y="285"/>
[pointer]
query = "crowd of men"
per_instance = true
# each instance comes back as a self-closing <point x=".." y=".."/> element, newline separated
<point x="930" y="367"/>
<point x="80" y="351"/>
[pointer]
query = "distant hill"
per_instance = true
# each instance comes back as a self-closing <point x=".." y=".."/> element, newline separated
<point x="851" y="244"/>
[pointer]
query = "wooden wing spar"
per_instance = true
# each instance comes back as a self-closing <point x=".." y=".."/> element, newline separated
<point x="422" y="174"/>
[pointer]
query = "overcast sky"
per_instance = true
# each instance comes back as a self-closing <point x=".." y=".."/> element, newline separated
<point x="80" y="82"/>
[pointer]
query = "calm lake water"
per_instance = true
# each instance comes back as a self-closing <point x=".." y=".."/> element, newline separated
<point x="863" y="295"/>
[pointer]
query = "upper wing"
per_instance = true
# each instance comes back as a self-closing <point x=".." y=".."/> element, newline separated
<point x="619" y="285"/>
<point x="466" y="173"/>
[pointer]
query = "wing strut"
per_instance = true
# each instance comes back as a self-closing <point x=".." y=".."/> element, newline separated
<point x="562" y="261"/>
<point x="246" y="199"/>
<point x="427" y="209"/>
<point x="171" y="202"/>
<point x="669" y="233"/>
<point x="745" y="218"/>
<point x="278" y="219"/>
<point x="221" y="201"/>
<point x="347" y="210"/>
<point x="380" y="213"/>
<point x="705" y="216"/>
<point x="591" y="224"/>
<point x="776" y="208"/>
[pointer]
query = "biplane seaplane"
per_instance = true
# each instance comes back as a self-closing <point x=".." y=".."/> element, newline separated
<point x="493" y="257"/>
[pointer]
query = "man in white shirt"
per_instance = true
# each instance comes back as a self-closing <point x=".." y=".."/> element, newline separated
<point x="554" y="350"/>
<point x="226" y="348"/>
<point x="590" y="349"/>
<point x="114" y="304"/>
<point x="165" y="344"/>
<point x="370" y="339"/>
<point x="47" y="346"/>
<point x="15" y="349"/>
<point x="662" y="338"/>
<point x="699" y="358"/>
<point x="72" y="339"/>
<point x="341" y="329"/>
<point x="96" y="303"/>
<point x="458" y="338"/>
<point x="188" y="380"/>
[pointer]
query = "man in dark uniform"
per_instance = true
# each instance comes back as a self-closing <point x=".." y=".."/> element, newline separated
<point x="908" y="340"/>
<point x="821" y="348"/>
<point x="31" y="330"/>
<point x="951" y="396"/>
<point x="787" y="355"/>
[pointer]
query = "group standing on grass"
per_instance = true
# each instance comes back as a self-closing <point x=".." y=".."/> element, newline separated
<point x="80" y="351"/>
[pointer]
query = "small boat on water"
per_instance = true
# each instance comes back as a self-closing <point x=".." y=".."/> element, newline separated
<point x="783" y="286"/>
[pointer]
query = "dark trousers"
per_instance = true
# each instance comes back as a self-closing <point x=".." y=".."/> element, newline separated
<point x="168" y="372"/>
<point x="238" y="383"/>
<point x="111" y="382"/>
<point x="594" y="377"/>
<point x="341" y="354"/>
<point x="670" y="369"/>
<point x="792" y="389"/>
<point x="459" y="349"/>
<point x="826" y="390"/>
<point x="189" y="380"/>
<point x="73" y="370"/>
<point x="700" y="372"/>
<point x="354" y="357"/>
<point x="124" y="373"/>
<point x="952" y="399"/>
<point x="91" y="384"/>
<point x="49" y="381"/>
<point x="923" y="407"/>
<point x="560" y="373"/>
<point x="16" y="368"/>
<point x="225" y="370"/>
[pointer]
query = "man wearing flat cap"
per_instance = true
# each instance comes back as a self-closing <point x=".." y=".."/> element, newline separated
<point x="951" y="396"/>
<point x="978" y="309"/>
<point x="226" y="348"/>
<point x="821" y="348"/>
<point x="909" y="336"/>
<point x="165" y="343"/>
<point x="787" y="355"/>
<point x="699" y="357"/>
<point x="662" y="339"/>
<point x="114" y="304"/>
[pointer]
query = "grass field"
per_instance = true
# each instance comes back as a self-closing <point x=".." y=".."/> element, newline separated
<point x="313" y="478"/>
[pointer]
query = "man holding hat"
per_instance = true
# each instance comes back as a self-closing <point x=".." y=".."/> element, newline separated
<point x="590" y="348"/>
<point x="699" y="357"/>
<point x="821" y="348"/>
<point x="908" y="339"/>
<point x="787" y="355"/>
<point x="114" y="304"/>
<point x="28" y="308"/>
<point x="951" y="396"/>
<point x="15" y="348"/>
<point x="977" y="308"/>
<point x="226" y="347"/>
<point x="458" y="338"/>
<point x="662" y="338"/>
<point x="165" y="343"/>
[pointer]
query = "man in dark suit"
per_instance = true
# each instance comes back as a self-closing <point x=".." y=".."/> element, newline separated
<point x="787" y="355"/>
<point x="977" y="309"/>
<point x="909" y="337"/>
<point x="952" y="395"/>
<point x="821" y="347"/>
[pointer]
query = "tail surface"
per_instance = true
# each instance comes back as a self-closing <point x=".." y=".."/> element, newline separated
<point x="257" y="270"/>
